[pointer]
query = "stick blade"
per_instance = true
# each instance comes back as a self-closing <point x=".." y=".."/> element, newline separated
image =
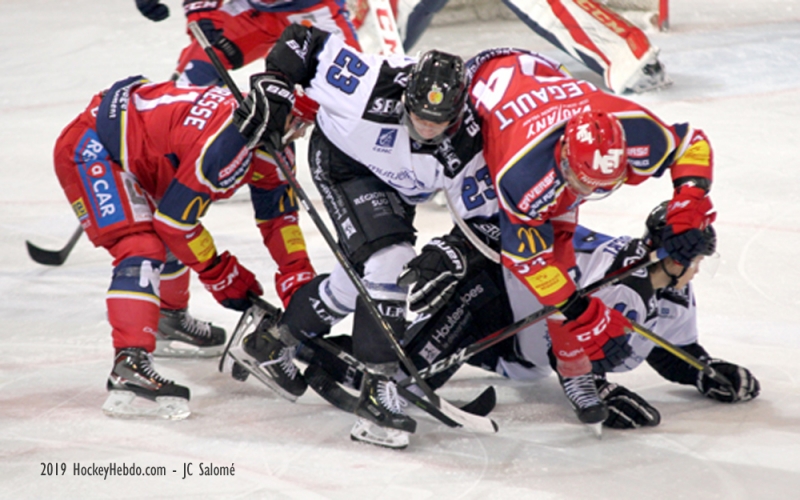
<point x="46" y="257"/>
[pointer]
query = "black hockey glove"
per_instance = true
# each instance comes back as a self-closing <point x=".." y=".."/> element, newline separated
<point x="262" y="115"/>
<point x="434" y="273"/>
<point x="685" y="246"/>
<point x="153" y="10"/>
<point x="626" y="409"/>
<point x="745" y="385"/>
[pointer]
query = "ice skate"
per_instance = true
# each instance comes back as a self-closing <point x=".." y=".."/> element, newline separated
<point x="382" y="421"/>
<point x="368" y="432"/>
<point x="137" y="391"/>
<point x="582" y="394"/>
<point x="180" y="335"/>
<point x="255" y="349"/>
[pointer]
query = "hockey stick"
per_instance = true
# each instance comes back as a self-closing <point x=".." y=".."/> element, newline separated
<point x="682" y="355"/>
<point x="500" y="335"/>
<point x="473" y="417"/>
<point x="380" y="11"/>
<point x="439" y="404"/>
<point x="54" y="257"/>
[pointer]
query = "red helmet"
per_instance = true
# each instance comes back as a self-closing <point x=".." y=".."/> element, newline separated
<point x="593" y="153"/>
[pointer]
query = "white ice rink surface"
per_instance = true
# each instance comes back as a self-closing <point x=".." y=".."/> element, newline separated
<point x="736" y="66"/>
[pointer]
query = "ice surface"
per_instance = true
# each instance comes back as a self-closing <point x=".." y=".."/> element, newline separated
<point x="736" y="66"/>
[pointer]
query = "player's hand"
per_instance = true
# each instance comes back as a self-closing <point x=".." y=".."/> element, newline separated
<point x="744" y="385"/>
<point x="229" y="282"/>
<point x="191" y="7"/>
<point x="688" y="213"/>
<point x="434" y="274"/>
<point x="626" y="409"/>
<point x="152" y="9"/>
<point x="288" y="281"/>
<point x="263" y="113"/>
<point x="603" y="334"/>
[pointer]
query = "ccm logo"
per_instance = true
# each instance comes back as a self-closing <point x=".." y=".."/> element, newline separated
<point x="597" y="330"/>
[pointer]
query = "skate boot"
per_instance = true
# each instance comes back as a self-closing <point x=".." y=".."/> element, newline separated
<point x="180" y="335"/>
<point x="582" y="394"/>
<point x="382" y="421"/>
<point x="266" y="355"/>
<point x="133" y="384"/>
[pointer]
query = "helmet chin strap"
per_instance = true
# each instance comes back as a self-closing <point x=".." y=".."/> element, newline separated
<point x="673" y="279"/>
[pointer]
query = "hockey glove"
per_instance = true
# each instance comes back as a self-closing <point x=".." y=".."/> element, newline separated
<point x="152" y="10"/>
<point x="626" y="409"/>
<point x="688" y="213"/>
<point x="288" y="281"/>
<point x="603" y="334"/>
<point x="196" y="6"/>
<point x="434" y="274"/>
<point x="228" y="281"/>
<point x="262" y="115"/>
<point x="745" y="386"/>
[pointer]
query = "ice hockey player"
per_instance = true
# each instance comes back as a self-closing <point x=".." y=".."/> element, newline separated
<point x="587" y="30"/>
<point x="243" y="31"/>
<point x="661" y="298"/>
<point x="140" y="166"/>
<point x="376" y="150"/>
<point x="550" y="144"/>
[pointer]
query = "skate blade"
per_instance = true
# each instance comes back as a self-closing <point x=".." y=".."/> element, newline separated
<point x="247" y="324"/>
<point x="179" y="349"/>
<point x="596" y="429"/>
<point x="388" y="438"/>
<point x="244" y="360"/>
<point x="126" y="404"/>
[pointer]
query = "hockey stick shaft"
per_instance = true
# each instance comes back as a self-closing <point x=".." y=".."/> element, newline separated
<point x="467" y="352"/>
<point x="681" y="354"/>
<point x="382" y="15"/>
<point x="286" y="169"/>
<point x="54" y="257"/>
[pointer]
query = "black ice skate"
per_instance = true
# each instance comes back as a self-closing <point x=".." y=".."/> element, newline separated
<point x="582" y="394"/>
<point x="181" y="335"/>
<point x="133" y="384"/>
<point x="254" y="349"/>
<point x="382" y="421"/>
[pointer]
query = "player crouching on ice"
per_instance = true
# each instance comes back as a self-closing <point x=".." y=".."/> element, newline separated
<point x="140" y="166"/>
<point x="662" y="298"/>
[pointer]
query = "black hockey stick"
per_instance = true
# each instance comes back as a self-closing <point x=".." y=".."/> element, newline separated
<point x="472" y="416"/>
<point x="439" y="404"/>
<point x="54" y="257"/>
<point x="467" y="352"/>
<point x="683" y="355"/>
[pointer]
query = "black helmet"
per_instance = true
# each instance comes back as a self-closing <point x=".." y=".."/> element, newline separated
<point x="657" y="221"/>
<point x="437" y="90"/>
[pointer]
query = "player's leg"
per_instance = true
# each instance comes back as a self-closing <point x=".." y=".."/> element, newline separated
<point x="116" y="216"/>
<point x="179" y="333"/>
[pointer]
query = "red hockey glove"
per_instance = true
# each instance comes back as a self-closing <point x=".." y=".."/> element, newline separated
<point x="291" y="279"/>
<point x="688" y="213"/>
<point x="196" y="6"/>
<point x="603" y="334"/>
<point x="228" y="281"/>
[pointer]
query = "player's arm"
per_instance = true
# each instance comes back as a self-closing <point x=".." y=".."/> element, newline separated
<point x="263" y="114"/>
<point x="277" y="218"/>
<point x="221" y="165"/>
